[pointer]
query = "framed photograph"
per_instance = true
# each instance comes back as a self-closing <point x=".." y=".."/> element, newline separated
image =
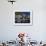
<point x="23" y="18"/>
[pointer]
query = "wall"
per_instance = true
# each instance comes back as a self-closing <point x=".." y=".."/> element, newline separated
<point x="9" y="31"/>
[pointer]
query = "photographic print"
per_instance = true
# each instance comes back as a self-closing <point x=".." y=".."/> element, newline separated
<point x="23" y="18"/>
